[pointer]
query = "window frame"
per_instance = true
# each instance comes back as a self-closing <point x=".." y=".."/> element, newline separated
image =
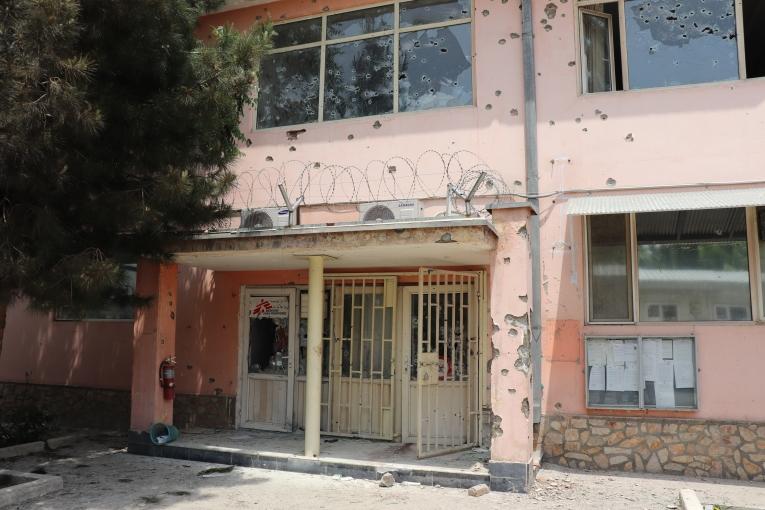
<point x="584" y="4"/>
<point x="394" y="32"/>
<point x="583" y="71"/>
<point x="641" y="392"/>
<point x="757" y="300"/>
<point x="60" y="316"/>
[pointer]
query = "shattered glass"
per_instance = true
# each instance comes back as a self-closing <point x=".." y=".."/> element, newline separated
<point x="359" y="78"/>
<point x="366" y="21"/>
<point x="679" y="42"/>
<point x="435" y="68"/>
<point x="421" y="12"/>
<point x="289" y="88"/>
<point x="299" y="32"/>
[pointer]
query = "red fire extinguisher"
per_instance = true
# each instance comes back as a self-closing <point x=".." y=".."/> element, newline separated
<point x="167" y="377"/>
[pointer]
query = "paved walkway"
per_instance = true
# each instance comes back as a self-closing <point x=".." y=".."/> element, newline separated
<point x="99" y="475"/>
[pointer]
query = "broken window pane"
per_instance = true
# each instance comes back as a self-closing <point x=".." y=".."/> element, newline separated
<point x="366" y="21"/>
<point x="359" y="78"/>
<point x="421" y="12"/>
<point x="597" y="53"/>
<point x="679" y="42"/>
<point x="299" y="32"/>
<point x="288" y="89"/>
<point x="609" y="261"/>
<point x="435" y="68"/>
<point x="693" y="265"/>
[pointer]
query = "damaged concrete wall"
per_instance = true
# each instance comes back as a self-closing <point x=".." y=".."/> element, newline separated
<point x="510" y="366"/>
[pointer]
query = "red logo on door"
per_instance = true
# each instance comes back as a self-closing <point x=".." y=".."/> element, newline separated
<point x="262" y="307"/>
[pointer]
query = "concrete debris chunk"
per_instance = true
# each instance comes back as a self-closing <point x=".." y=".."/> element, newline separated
<point x="478" y="490"/>
<point x="387" y="480"/>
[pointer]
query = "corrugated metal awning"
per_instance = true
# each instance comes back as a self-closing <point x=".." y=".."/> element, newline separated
<point x="658" y="202"/>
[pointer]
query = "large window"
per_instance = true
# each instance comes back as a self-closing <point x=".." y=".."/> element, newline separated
<point x="404" y="56"/>
<point x="689" y="266"/>
<point x="109" y="311"/>
<point x="636" y="44"/>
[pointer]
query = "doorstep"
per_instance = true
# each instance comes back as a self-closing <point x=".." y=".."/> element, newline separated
<point x="367" y="470"/>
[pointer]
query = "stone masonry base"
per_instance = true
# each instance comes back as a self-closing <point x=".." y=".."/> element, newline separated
<point x="656" y="445"/>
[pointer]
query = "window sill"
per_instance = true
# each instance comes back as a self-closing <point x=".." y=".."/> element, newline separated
<point x="664" y="324"/>
<point x="383" y="117"/>
<point x="690" y="86"/>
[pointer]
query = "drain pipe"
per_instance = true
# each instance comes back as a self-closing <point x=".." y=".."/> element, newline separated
<point x="532" y="189"/>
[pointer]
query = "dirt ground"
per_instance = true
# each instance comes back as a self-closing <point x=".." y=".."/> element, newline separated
<point x="99" y="474"/>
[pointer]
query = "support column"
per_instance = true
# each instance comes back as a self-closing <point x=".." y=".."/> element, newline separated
<point x="312" y="423"/>
<point x="512" y="370"/>
<point x="153" y="341"/>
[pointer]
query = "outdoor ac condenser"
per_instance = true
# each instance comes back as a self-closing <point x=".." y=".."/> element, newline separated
<point x="264" y="218"/>
<point x="390" y="210"/>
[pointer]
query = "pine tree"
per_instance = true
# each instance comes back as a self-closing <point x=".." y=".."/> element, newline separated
<point x="117" y="132"/>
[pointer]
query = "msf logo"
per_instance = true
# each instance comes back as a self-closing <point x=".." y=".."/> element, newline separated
<point x="262" y="308"/>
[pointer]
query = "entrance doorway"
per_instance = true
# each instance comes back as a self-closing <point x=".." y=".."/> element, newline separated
<point x="267" y="359"/>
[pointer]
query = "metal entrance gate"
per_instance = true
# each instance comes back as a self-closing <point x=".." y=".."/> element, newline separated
<point x="448" y="354"/>
<point x="361" y="332"/>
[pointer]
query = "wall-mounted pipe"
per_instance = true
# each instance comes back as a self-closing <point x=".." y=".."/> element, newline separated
<point x="532" y="189"/>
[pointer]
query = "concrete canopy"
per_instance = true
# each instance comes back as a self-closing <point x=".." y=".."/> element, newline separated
<point x="425" y="242"/>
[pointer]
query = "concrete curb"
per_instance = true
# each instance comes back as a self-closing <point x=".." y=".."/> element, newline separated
<point x="19" y="450"/>
<point x="27" y="486"/>
<point x="689" y="500"/>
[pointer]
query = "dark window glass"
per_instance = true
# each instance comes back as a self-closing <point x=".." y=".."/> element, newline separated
<point x="421" y="12"/>
<point x="609" y="261"/>
<point x="359" y="78"/>
<point x="693" y="265"/>
<point x="597" y="54"/>
<point x="299" y="32"/>
<point x="678" y="42"/>
<point x="367" y="21"/>
<point x="435" y="68"/>
<point x="761" y="242"/>
<point x="289" y="88"/>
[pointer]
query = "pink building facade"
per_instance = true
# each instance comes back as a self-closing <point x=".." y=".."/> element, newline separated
<point x="649" y="203"/>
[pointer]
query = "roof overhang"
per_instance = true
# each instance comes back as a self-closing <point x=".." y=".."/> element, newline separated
<point x="424" y="242"/>
<point x="661" y="202"/>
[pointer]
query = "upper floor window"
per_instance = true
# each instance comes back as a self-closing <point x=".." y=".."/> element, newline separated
<point x="637" y="44"/>
<point x="404" y="56"/>
<point x="688" y="266"/>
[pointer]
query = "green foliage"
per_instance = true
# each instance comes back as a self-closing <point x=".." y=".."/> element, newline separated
<point x="117" y="131"/>
<point x="23" y="424"/>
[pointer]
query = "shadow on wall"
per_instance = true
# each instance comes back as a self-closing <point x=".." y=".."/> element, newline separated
<point x="40" y="350"/>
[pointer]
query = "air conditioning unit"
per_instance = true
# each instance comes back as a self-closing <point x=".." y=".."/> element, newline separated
<point x="265" y="218"/>
<point x="390" y="210"/>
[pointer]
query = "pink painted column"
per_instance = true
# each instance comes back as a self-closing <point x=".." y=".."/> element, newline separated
<point x="510" y="375"/>
<point x="153" y="341"/>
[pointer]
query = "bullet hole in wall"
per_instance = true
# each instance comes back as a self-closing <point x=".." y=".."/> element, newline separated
<point x="497" y="93"/>
<point x="294" y="133"/>
<point x="610" y="182"/>
<point x="485" y="12"/>
<point x="548" y="28"/>
<point x="502" y="41"/>
<point x="269" y="158"/>
<point x="506" y="260"/>
<point x="603" y="116"/>
<point x="317" y="165"/>
<point x="515" y="36"/>
<point x="504" y="371"/>
<point x="292" y="148"/>
<point x="488" y="106"/>
<point x="551" y="10"/>
<point x="629" y="138"/>
<point x="211" y="380"/>
<point x="525" y="407"/>
<point x="350" y="137"/>
<point x="578" y="120"/>
<point x="514" y="112"/>
<point x="543" y="21"/>
<point x="552" y="122"/>
<point x="572" y="63"/>
<point x="377" y="124"/>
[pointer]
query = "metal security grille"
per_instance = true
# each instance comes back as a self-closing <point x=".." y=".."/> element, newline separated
<point x="361" y="346"/>
<point x="447" y="361"/>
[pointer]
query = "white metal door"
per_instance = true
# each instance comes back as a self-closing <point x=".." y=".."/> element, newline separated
<point x="361" y="350"/>
<point x="267" y="353"/>
<point x="447" y="361"/>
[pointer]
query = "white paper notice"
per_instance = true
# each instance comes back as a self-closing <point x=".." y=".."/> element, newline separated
<point x="650" y="355"/>
<point x="615" y="378"/>
<point x="596" y="352"/>
<point x="683" y="349"/>
<point x="615" y="353"/>
<point x="631" y="377"/>
<point x="684" y="374"/>
<point x="664" y="385"/>
<point x="630" y="352"/>
<point x="597" y="378"/>
<point x="666" y="349"/>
